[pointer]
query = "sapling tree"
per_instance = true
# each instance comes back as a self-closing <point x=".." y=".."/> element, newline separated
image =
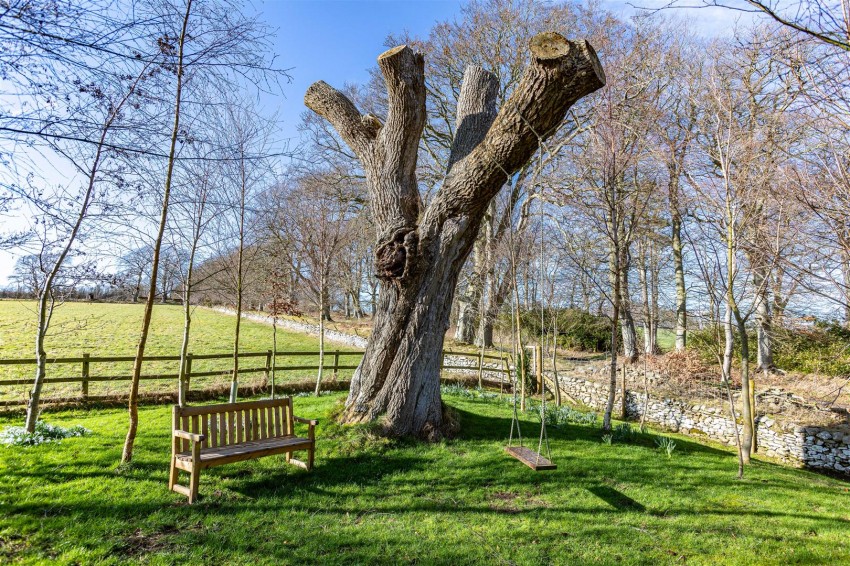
<point x="209" y="49"/>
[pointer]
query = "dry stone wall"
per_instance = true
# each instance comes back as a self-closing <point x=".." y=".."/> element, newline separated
<point x="826" y="448"/>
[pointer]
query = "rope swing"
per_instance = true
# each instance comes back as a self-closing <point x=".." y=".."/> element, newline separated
<point x="534" y="460"/>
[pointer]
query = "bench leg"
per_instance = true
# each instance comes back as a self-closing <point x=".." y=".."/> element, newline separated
<point x="172" y="475"/>
<point x="194" y="480"/>
<point x="311" y="453"/>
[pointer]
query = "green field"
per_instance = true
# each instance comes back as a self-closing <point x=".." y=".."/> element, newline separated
<point x="113" y="330"/>
<point x="375" y="501"/>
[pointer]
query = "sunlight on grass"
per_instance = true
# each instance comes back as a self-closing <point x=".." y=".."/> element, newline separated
<point x="370" y="501"/>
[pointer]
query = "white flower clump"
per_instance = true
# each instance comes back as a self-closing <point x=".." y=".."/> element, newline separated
<point x="44" y="433"/>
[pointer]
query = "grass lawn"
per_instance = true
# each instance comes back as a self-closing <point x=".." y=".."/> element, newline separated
<point x="105" y="329"/>
<point x="375" y="501"/>
<point x="666" y="339"/>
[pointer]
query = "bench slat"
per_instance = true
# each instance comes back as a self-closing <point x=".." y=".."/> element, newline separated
<point x="218" y="456"/>
<point x="263" y="432"/>
<point x="222" y="428"/>
<point x="240" y="427"/>
<point x="270" y="423"/>
<point x="184" y="425"/>
<point x="213" y="438"/>
<point x="290" y="418"/>
<point x="279" y="427"/>
<point x="205" y="430"/>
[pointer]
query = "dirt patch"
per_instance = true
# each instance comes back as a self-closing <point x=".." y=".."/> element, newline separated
<point x="503" y="496"/>
<point x="140" y="544"/>
<point x="12" y="545"/>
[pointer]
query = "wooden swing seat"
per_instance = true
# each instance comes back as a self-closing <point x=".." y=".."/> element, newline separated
<point x="530" y="458"/>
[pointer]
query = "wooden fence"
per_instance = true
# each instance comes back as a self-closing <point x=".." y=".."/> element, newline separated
<point x="87" y="375"/>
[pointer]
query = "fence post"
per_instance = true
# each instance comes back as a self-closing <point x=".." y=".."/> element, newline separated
<point x="336" y="364"/>
<point x="85" y="381"/>
<point x="268" y="367"/>
<point x="481" y="368"/>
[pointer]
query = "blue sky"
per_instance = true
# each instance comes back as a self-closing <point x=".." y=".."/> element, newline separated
<point x="338" y="41"/>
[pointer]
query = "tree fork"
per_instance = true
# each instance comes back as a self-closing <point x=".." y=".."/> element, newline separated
<point x="420" y="253"/>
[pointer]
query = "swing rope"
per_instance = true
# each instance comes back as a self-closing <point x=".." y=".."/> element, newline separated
<point x="543" y="433"/>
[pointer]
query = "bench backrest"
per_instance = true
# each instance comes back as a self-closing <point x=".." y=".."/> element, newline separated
<point x="234" y="423"/>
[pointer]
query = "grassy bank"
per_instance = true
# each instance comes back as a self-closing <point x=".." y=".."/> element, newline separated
<point x="370" y="501"/>
<point x="103" y="329"/>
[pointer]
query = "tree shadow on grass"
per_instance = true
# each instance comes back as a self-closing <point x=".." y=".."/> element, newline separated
<point x="361" y="470"/>
<point x="616" y="499"/>
<point x="476" y="426"/>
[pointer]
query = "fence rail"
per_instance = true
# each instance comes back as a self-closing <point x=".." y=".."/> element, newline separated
<point x="333" y="363"/>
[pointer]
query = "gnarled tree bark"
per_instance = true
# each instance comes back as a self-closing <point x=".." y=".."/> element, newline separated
<point x="420" y="252"/>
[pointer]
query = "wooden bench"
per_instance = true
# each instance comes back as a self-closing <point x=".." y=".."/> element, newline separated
<point x="214" y="435"/>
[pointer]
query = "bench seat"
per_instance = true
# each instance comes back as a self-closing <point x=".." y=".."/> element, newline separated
<point x="247" y="450"/>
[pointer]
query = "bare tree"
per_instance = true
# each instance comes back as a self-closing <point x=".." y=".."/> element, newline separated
<point x="62" y="228"/>
<point x="226" y="49"/>
<point x="174" y="50"/>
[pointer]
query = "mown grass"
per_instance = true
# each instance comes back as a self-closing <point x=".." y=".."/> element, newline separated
<point x="103" y="329"/>
<point x="373" y="501"/>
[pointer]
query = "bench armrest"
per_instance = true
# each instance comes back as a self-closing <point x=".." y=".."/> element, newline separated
<point x="189" y="436"/>
<point x="311" y="422"/>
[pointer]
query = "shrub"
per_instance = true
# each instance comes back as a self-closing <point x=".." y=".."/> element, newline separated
<point x="577" y="330"/>
<point x="44" y="433"/>
<point x="822" y="348"/>
<point x="624" y="432"/>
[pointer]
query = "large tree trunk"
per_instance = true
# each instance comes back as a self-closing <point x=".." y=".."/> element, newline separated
<point x="419" y="254"/>
<point x="468" y="303"/>
<point x="137" y="290"/>
<point x="324" y="299"/>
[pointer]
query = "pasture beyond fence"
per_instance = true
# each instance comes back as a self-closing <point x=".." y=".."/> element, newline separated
<point x="77" y="377"/>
